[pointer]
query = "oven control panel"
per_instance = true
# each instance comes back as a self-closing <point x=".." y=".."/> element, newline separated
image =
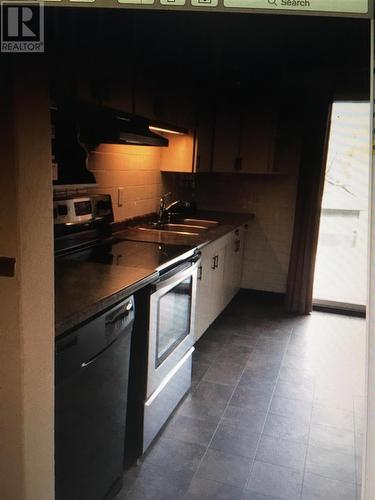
<point x="83" y="209"/>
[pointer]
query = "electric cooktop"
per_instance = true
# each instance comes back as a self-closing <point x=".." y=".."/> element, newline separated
<point x="117" y="252"/>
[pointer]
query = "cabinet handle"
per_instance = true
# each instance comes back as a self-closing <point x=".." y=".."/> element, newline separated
<point x="129" y="307"/>
<point x="238" y="164"/>
<point x="213" y="262"/>
<point x="217" y="261"/>
<point x="200" y="272"/>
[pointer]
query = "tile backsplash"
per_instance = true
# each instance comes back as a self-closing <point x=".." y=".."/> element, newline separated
<point x="135" y="169"/>
<point x="272" y="199"/>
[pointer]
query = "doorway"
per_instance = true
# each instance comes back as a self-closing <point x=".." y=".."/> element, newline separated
<point x="340" y="280"/>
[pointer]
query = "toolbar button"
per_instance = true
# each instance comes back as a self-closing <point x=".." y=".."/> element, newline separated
<point x="204" y="3"/>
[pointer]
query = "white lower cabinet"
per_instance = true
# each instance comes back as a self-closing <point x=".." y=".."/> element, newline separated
<point x="204" y="297"/>
<point x="219" y="277"/>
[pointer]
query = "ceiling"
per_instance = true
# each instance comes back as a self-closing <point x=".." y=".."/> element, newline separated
<point x="204" y="49"/>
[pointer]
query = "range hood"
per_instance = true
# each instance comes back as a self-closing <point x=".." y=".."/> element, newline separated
<point x="100" y="125"/>
<point x="78" y="129"/>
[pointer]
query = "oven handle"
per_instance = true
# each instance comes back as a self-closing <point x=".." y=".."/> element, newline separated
<point x="175" y="278"/>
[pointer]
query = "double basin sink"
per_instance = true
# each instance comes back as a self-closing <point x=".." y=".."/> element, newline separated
<point x="189" y="227"/>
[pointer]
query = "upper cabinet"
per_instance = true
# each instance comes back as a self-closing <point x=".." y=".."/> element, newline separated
<point x="205" y="139"/>
<point x="244" y="137"/>
<point x="166" y="105"/>
<point x="241" y="134"/>
<point x="232" y="131"/>
<point x="227" y="135"/>
<point x="257" y="139"/>
<point x="230" y="137"/>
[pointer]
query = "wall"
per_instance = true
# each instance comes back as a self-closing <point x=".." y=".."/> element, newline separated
<point x="134" y="168"/>
<point x="272" y="200"/>
<point x="27" y="299"/>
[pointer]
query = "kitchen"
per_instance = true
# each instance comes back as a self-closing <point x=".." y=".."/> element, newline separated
<point x="233" y="160"/>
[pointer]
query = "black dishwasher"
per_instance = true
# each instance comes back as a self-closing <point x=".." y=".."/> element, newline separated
<point x="92" y="369"/>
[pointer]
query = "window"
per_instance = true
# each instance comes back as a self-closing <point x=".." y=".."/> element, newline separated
<point x="341" y="266"/>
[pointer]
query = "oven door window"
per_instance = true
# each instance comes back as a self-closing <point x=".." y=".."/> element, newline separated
<point x="173" y="321"/>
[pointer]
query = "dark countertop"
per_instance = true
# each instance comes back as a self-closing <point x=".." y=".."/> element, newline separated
<point x="227" y="222"/>
<point x="90" y="281"/>
<point x="84" y="289"/>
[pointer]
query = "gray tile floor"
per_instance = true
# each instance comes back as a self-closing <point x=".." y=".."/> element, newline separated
<point x="275" y="412"/>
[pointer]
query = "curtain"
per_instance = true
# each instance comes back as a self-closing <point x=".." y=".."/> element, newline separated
<point x="315" y="133"/>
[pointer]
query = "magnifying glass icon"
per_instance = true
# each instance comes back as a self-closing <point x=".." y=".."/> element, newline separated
<point x="273" y="2"/>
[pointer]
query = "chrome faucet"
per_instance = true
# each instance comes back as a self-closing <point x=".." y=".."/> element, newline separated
<point x="162" y="207"/>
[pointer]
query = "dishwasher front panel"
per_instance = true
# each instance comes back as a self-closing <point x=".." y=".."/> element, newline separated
<point x="90" y="406"/>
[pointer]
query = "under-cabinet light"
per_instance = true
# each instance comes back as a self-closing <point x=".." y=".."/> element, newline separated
<point x="166" y="130"/>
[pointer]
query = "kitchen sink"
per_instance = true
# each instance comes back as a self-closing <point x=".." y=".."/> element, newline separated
<point x="200" y="222"/>
<point x="177" y="228"/>
<point x="182" y="226"/>
<point x="187" y="227"/>
<point x="161" y="230"/>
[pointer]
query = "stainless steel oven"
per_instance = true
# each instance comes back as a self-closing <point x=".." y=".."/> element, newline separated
<point x="170" y="346"/>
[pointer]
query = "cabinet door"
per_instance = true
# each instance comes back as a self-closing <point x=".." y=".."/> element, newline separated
<point x="217" y="287"/>
<point x="205" y="137"/>
<point x="258" y="139"/>
<point x="227" y="137"/>
<point x="219" y="280"/>
<point x="244" y="136"/>
<point x="204" y="311"/>
<point x="210" y="296"/>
